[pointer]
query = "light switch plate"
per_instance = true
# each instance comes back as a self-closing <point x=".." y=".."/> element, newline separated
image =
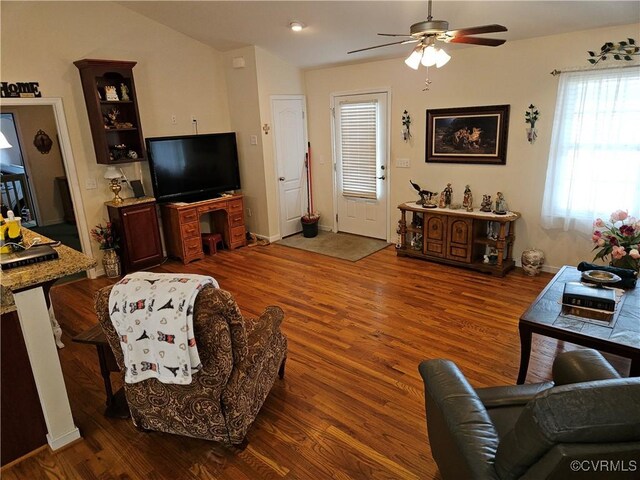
<point x="253" y="139"/>
<point x="90" y="184"/>
<point x="403" y="163"/>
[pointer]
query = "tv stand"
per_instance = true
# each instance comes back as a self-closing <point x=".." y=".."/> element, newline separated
<point x="181" y="225"/>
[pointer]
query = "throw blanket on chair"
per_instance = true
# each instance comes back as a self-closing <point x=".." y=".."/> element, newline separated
<point x="153" y="315"/>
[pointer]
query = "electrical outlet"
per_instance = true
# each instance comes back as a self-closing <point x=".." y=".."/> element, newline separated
<point x="174" y="119"/>
<point x="403" y="163"/>
<point x="90" y="184"/>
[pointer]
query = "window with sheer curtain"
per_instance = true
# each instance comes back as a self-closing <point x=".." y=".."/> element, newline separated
<point x="594" y="160"/>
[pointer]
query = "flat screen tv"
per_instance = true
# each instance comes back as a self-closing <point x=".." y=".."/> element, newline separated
<point x="193" y="167"/>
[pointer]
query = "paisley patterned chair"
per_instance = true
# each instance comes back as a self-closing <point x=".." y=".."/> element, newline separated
<point x="240" y="359"/>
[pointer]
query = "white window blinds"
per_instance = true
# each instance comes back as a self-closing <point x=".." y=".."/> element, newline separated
<point x="358" y="147"/>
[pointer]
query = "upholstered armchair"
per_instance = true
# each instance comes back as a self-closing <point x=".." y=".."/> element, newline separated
<point x="585" y="425"/>
<point x="240" y="359"/>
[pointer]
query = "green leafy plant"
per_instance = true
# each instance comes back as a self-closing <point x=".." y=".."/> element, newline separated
<point x="623" y="50"/>
<point x="531" y="115"/>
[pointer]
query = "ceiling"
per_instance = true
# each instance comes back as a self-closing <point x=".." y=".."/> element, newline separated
<point x="335" y="27"/>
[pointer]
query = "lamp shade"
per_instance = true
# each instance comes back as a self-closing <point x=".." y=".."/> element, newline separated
<point x="413" y="60"/>
<point x="442" y="58"/>
<point x="112" y="173"/>
<point x="429" y="56"/>
<point x="4" y="143"/>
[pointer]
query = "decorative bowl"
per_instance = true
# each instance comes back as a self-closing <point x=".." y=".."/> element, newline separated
<point x="600" y="276"/>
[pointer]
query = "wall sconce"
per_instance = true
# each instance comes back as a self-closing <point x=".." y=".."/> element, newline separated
<point x="266" y="129"/>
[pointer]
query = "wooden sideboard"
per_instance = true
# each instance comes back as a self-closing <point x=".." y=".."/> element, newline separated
<point x="181" y="225"/>
<point x="457" y="237"/>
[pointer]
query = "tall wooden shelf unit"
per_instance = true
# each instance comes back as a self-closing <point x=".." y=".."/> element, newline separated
<point x="457" y="237"/>
<point x="95" y="76"/>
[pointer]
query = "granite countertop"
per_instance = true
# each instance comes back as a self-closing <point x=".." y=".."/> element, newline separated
<point x="70" y="261"/>
<point x="130" y="201"/>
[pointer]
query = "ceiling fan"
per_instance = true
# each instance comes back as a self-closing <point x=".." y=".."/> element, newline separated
<point x="426" y="33"/>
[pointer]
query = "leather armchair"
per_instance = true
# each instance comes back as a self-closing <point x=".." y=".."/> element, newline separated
<point x="240" y="359"/>
<point x="588" y="414"/>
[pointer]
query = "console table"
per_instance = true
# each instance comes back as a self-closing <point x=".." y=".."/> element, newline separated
<point x="181" y="225"/>
<point x="457" y="237"/>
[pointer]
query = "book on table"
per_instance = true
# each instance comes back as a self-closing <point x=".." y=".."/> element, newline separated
<point x="579" y="295"/>
<point x="37" y="254"/>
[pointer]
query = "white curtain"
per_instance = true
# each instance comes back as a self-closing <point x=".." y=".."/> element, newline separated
<point x="594" y="160"/>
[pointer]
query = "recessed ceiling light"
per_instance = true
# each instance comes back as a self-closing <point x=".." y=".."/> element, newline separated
<point x="296" y="26"/>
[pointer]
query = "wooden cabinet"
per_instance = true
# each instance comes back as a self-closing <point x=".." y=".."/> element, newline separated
<point x="111" y="99"/>
<point x="136" y="222"/>
<point x="458" y="237"/>
<point x="181" y="225"/>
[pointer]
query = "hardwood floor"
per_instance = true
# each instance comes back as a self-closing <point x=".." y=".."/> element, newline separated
<point x="351" y="405"/>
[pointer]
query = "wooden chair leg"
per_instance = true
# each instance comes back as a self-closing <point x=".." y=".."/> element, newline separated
<point x="281" y="370"/>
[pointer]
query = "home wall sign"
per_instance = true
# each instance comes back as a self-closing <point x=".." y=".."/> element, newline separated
<point x="20" y="90"/>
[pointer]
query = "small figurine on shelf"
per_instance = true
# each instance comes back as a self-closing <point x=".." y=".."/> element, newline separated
<point x="442" y="203"/>
<point x="486" y="203"/>
<point x="501" y="205"/>
<point x="124" y="92"/>
<point x="467" y="201"/>
<point x="448" y="195"/>
<point x="111" y="93"/>
<point x="132" y="154"/>
<point x="425" y="196"/>
<point x="492" y="257"/>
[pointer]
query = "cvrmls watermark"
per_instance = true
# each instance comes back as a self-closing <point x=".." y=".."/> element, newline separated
<point x="604" y="466"/>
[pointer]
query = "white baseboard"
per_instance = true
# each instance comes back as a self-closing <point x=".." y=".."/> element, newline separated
<point x="545" y="268"/>
<point x="62" y="440"/>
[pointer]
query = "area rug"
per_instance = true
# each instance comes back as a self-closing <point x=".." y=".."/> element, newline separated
<point x="339" y="245"/>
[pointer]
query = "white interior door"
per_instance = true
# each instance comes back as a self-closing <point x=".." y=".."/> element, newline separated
<point x="361" y="151"/>
<point x="290" y="151"/>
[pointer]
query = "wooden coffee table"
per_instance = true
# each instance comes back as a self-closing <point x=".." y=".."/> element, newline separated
<point x="545" y="317"/>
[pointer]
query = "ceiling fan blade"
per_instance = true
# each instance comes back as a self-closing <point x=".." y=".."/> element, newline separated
<point x="394" y="34"/>
<point x="489" y="42"/>
<point x="477" y="30"/>
<point x="402" y="42"/>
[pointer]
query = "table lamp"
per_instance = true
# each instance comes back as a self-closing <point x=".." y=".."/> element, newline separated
<point x="4" y="143"/>
<point x="114" y="177"/>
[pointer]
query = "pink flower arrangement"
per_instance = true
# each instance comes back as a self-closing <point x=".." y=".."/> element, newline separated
<point x="105" y="236"/>
<point x="620" y="238"/>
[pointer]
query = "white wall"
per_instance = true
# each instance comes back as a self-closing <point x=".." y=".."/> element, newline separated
<point x="517" y="74"/>
<point x="174" y="75"/>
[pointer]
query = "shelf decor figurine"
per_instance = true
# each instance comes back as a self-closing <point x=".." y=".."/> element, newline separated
<point x="426" y="196"/>
<point x="531" y="117"/>
<point x="501" y="205"/>
<point x="448" y="195"/>
<point x="124" y="92"/>
<point x="467" y="201"/>
<point x="111" y="93"/>
<point x="486" y="203"/>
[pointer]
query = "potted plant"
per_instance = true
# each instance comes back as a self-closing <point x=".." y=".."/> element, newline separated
<point x="310" y="224"/>
<point x="108" y="241"/>
<point x="619" y="239"/>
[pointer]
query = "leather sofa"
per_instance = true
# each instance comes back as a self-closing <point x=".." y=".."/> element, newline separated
<point x="585" y="424"/>
<point x="240" y="357"/>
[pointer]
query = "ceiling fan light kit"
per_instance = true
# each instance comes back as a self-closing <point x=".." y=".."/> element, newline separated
<point x="428" y="32"/>
<point x="296" y="26"/>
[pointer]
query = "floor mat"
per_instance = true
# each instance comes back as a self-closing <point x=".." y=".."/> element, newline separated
<point x="339" y="245"/>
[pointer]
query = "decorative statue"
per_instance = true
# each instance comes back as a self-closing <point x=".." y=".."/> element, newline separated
<point x="425" y="196"/>
<point x="467" y="201"/>
<point x="442" y="203"/>
<point x="486" y="203"/>
<point x="124" y="92"/>
<point x="501" y="205"/>
<point x="448" y="195"/>
<point x="110" y="93"/>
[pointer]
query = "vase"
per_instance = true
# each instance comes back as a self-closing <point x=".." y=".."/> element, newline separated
<point x="532" y="260"/>
<point x="626" y="262"/>
<point x="111" y="263"/>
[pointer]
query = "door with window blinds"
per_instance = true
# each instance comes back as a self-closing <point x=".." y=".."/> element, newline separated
<point x="361" y="164"/>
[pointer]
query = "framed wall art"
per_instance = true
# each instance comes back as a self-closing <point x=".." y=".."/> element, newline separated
<point x="468" y="135"/>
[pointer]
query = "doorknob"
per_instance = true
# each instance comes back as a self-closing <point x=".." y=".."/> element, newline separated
<point x="382" y="177"/>
<point x="281" y="179"/>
